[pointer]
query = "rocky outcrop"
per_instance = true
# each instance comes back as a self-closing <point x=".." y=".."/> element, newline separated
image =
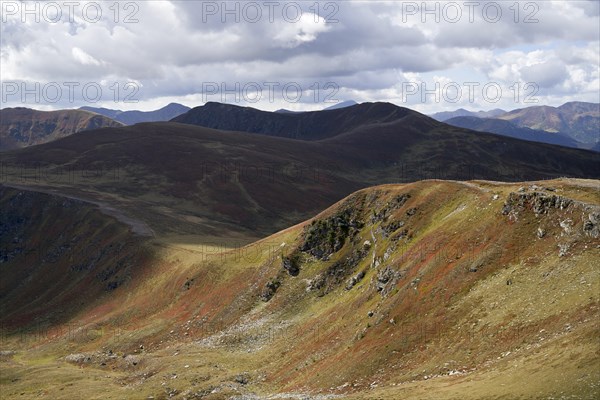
<point x="573" y="219"/>
<point x="386" y="280"/>
<point x="591" y="227"/>
<point x="538" y="202"/>
<point x="354" y="280"/>
<point x="270" y="290"/>
<point x="324" y="237"/>
<point x="291" y="264"/>
<point x="384" y="213"/>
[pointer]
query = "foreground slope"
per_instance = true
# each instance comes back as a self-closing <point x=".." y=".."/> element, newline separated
<point x="22" y="127"/>
<point x="433" y="289"/>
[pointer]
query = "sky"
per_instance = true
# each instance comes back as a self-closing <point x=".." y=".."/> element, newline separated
<point x="304" y="55"/>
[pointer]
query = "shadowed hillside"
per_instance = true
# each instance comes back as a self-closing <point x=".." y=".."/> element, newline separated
<point x="312" y="125"/>
<point x="58" y="254"/>
<point x="197" y="180"/>
<point x="255" y="181"/>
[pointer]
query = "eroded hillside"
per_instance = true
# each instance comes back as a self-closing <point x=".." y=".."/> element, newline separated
<point x="433" y="289"/>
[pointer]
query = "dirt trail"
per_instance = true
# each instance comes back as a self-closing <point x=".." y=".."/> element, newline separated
<point x="138" y="227"/>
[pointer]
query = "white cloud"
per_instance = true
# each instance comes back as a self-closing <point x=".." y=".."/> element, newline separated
<point x="175" y="50"/>
<point x="305" y="30"/>
<point x="83" y="57"/>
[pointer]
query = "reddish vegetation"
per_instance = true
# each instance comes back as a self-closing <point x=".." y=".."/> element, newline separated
<point x="457" y="278"/>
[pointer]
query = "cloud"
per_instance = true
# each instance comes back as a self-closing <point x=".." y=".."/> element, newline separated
<point x="83" y="57"/>
<point x="545" y="74"/>
<point x="172" y="49"/>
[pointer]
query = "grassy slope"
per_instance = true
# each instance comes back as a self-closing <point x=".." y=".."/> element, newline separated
<point x="446" y="325"/>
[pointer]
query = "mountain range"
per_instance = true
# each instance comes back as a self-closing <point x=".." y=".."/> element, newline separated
<point x="461" y="112"/>
<point x="574" y="124"/>
<point x="507" y="128"/>
<point x="578" y="120"/>
<point x="260" y="182"/>
<point x="165" y="113"/>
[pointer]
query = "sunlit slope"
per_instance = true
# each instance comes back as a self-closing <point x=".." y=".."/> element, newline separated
<point x="427" y="290"/>
<point x="23" y="127"/>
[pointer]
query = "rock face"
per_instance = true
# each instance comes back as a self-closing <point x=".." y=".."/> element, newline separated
<point x="270" y="290"/>
<point x="337" y="272"/>
<point x="386" y="279"/>
<point x="591" y="227"/>
<point x="565" y="219"/>
<point x="291" y="264"/>
<point x="354" y="280"/>
<point x="539" y="202"/>
<point x="384" y="213"/>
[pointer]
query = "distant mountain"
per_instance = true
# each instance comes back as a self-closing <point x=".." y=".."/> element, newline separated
<point x="311" y="125"/>
<point x="578" y="120"/>
<point x="461" y="112"/>
<point x="166" y="113"/>
<point x="285" y="111"/>
<point x="506" y="128"/>
<point x="22" y="127"/>
<point x="343" y="104"/>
